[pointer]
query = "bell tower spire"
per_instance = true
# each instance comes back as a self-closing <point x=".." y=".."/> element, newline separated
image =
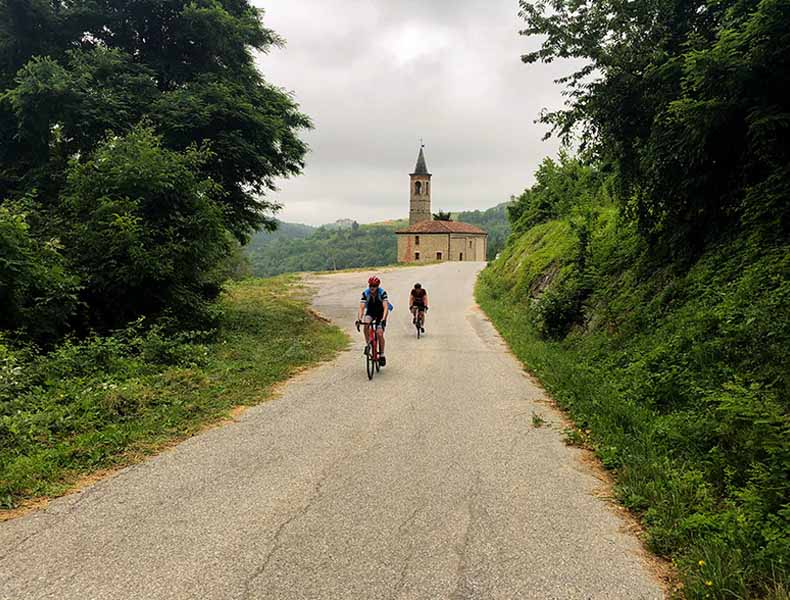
<point x="420" y="193"/>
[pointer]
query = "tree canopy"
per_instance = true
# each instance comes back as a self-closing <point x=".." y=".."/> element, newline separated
<point x="685" y="99"/>
<point x="71" y="71"/>
<point x="140" y="137"/>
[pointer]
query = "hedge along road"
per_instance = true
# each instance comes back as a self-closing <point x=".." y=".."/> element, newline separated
<point x="430" y="482"/>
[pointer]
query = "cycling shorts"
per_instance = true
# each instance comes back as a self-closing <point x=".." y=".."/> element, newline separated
<point x="379" y="323"/>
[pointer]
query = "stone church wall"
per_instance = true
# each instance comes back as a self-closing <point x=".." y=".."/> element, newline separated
<point x="472" y="247"/>
<point x="468" y="247"/>
<point x="428" y="247"/>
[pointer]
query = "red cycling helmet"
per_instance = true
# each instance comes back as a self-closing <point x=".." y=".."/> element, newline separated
<point x="374" y="281"/>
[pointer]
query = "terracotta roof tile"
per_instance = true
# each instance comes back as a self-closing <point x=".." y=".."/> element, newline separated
<point x="442" y="227"/>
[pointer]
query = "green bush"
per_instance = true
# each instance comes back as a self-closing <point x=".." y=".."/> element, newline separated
<point x="562" y="187"/>
<point x="558" y="309"/>
<point x="144" y="231"/>
<point x="37" y="292"/>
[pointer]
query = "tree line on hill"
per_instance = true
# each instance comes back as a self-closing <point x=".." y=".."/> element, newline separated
<point x="139" y="143"/>
<point x="647" y="279"/>
<point x="295" y="247"/>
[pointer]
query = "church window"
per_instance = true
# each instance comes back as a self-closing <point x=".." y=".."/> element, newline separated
<point x="427" y="187"/>
<point x="416" y="256"/>
<point x="438" y="256"/>
<point x="418" y="188"/>
<point x="470" y="243"/>
<point x="416" y="240"/>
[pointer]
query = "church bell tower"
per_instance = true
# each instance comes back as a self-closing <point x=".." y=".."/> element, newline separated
<point x="420" y="194"/>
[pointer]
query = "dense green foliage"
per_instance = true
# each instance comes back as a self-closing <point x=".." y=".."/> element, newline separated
<point x="138" y="139"/>
<point x="142" y="230"/>
<point x="680" y="373"/>
<point x="300" y="248"/>
<point x="686" y="100"/>
<point x="102" y="401"/>
<point x="35" y="287"/>
<point x="560" y="187"/>
<point x="649" y="286"/>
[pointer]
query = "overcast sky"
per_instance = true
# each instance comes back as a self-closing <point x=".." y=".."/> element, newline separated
<point x="375" y="76"/>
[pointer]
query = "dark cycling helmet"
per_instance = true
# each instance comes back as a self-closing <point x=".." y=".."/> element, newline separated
<point x="417" y="286"/>
<point x="374" y="281"/>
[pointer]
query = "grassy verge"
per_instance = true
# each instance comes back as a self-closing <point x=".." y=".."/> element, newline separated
<point x="106" y="401"/>
<point x="676" y="377"/>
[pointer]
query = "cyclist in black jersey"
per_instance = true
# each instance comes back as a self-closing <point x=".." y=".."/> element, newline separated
<point x="418" y="303"/>
<point x="373" y="312"/>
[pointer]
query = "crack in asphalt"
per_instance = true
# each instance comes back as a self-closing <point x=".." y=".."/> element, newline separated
<point x="464" y="589"/>
<point x="404" y="572"/>
<point x="314" y="498"/>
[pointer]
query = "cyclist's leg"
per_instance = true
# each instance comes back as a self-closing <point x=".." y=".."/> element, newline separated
<point x="380" y="332"/>
<point x="366" y="332"/>
<point x="413" y="310"/>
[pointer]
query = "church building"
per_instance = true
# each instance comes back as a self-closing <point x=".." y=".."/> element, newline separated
<point x="428" y="240"/>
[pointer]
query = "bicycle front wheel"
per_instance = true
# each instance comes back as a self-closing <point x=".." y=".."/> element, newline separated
<point x="370" y="365"/>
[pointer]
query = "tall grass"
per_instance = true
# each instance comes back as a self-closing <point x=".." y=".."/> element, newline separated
<point x="105" y="401"/>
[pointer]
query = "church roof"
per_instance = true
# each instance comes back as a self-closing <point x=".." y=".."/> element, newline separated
<point x="421" y="168"/>
<point x="443" y="227"/>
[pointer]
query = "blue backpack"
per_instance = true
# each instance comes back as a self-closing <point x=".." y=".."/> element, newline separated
<point x="366" y="293"/>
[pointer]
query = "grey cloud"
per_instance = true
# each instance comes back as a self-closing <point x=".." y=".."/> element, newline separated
<point x="377" y="76"/>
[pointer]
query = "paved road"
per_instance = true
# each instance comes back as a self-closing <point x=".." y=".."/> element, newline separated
<point x="431" y="482"/>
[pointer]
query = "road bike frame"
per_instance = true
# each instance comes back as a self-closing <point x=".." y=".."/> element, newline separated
<point x="372" y="365"/>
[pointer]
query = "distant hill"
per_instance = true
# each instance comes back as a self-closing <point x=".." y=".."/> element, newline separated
<point x="341" y="224"/>
<point x="326" y="248"/>
<point x="284" y="231"/>
<point x="345" y="244"/>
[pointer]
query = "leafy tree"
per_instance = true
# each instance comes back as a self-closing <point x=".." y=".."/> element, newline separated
<point x="561" y="187"/>
<point x="144" y="139"/>
<point x="685" y="99"/>
<point x="443" y="216"/>
<point x="186" y="66"/>
<point x="37" y="293"/>
<point x="143" y="228"/>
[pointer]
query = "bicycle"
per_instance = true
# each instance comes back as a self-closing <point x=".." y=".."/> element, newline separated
<point x="419" y="319"/>
<point x="372" y="365"/>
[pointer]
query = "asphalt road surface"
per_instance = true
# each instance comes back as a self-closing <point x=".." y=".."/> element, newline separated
<point x="429" y="482"/>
